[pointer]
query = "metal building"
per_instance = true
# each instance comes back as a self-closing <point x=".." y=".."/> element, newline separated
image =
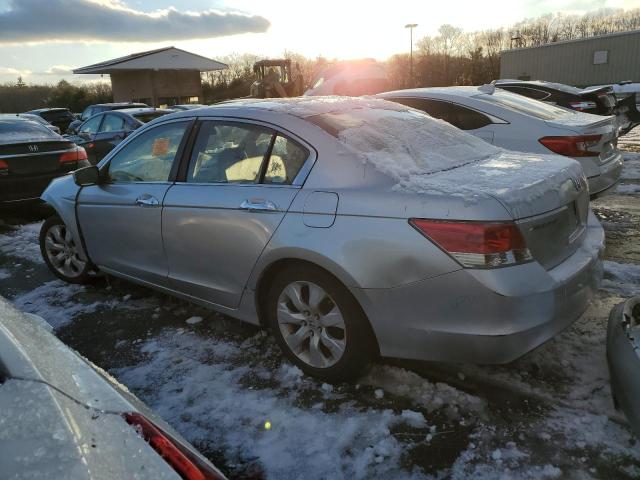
<point x="163" y="77"/>
<point x="600" y="60"/>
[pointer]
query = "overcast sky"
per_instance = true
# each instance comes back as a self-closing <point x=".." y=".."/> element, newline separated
<point x="41" y="40"/>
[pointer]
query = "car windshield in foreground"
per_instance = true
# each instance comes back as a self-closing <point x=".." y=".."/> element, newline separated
<point x="522" y="104"/>
<point x="15" y="131"/>
<point x="148" y="116"/>
<point x="403" y="141"/>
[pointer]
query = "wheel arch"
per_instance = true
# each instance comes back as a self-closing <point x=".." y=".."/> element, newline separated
<point x="270" y="270"/>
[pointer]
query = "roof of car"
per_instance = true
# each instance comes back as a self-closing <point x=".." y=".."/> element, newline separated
<point x="43" y="110"/>
<point x="118" y="104"/>
<point x="301" y="107"/>
<point x="463" y="91"/>
<point x="137" y="110"/>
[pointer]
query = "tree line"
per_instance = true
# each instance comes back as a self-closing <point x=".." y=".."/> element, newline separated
<point x="451" y="57"/>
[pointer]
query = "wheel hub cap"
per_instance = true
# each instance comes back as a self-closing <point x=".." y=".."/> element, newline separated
<point x="62" y="252"/>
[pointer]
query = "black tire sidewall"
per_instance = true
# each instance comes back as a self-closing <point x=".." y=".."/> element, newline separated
<point x="359" y="349"/>
<point x="84" y="277"/>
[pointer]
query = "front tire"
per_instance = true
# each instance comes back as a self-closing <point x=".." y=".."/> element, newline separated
<point x="60" y="252"/>
<point x="319" y="325"/>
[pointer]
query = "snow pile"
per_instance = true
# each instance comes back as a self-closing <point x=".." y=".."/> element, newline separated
<point x="199" y="386"/>
<point x="431" y="396"/>
<point x="22" y="242"/>
<point x="621" y="278"/>
<point x="59" y="302"/>
<point x="631" y="168"/>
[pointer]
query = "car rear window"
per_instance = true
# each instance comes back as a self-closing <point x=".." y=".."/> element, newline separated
<point x="147" y="117"/>
<point x="24" y="130"/>
<point x="56" y="115"/>
<point x="528" y="106"/>
<point x="405" y="141"/>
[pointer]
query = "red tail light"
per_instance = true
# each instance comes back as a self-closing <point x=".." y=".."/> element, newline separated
<point x="4" y="168"/>
<point x="575" y="146"/>
<point x="74" y="156"/>
<point x="180" y="459"/>
<point x="582" y="106"/>
<point x="476" y="244"/>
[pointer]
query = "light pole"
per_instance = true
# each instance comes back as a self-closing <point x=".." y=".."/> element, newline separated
<point x="411" y="26"/>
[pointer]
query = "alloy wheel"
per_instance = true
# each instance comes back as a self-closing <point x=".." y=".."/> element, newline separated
<point x="311" y="324"/>
<point x="62" y="252"/>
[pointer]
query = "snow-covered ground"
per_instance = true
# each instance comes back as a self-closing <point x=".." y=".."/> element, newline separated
<point x="225" y="386"/>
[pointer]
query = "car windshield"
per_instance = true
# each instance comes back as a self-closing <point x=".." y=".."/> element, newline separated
<point x="522" y="104"/>
<point x="15" y="131"/>
<point x="403" y="141"/>
<point x="148" y="116"/>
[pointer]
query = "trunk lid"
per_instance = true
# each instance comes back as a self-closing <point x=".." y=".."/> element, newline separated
<point x="546" y="195"/>
<point x="587" y="124"/>
<point x="33" y="157"/>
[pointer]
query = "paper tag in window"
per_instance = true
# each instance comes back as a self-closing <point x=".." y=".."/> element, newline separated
<point x="160" y="147"/>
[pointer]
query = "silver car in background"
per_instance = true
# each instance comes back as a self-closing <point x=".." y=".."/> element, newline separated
<point x="62" y="417"/>
<point x="515" y="122"/>
<point x="349" y="227"/>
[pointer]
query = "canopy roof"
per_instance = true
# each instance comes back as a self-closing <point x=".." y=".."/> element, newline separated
<point x="168" y="58"/>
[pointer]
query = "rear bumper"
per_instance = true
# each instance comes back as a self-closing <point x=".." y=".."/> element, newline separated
<point x="624" y="362"/>
<point x="486" y="316"/>
<point x="607" y="179"/>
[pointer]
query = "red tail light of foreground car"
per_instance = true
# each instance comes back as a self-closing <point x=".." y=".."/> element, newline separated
<point x="477" y="244"/>
<point x="180" y="459"/>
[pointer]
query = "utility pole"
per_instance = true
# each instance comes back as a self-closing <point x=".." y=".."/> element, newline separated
<point x="411" y="26"/>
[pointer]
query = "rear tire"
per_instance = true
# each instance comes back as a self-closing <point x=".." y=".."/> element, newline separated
<point x="319" y="325"/>
<point x="60" y="252"/>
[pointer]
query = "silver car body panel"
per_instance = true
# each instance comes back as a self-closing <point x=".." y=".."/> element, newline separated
<point x="346" y="216"/>
<point x="60" y="418"/>
<point x="623" y="357"/>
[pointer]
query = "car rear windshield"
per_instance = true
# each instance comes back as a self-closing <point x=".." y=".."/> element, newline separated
<point x="522" y="104"/>
<point x="147" y="117"/>
<point x="403" y="141"/>
<point x="26" y="130"/>
<point x="57" y="115"/>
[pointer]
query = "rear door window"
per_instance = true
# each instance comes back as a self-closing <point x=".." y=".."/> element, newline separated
<point x="457" y="115"/>
<point x="286" y="159"/>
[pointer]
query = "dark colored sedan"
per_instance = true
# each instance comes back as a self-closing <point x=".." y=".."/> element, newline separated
<point x="102" y="132"/>
<point x="92" y="110"/>
<point x="31" y="155"/>
<point x="60" y="117"/>
<point x="595" y="100"/>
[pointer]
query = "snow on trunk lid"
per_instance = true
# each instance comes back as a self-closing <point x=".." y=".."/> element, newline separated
<point x="546" y="194"/>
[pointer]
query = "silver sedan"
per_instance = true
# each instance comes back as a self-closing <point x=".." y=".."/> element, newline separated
<point x="350" y="228"/>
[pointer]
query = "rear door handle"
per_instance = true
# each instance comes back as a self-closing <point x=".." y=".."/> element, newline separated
<point x="147" y="200"/>
<point x="258" y="205"/>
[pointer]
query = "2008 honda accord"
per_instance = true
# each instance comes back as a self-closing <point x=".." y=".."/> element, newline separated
<point x="349" y="227"/>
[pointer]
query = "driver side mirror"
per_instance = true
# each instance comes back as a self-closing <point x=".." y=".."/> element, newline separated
<point x="87" y="176"/>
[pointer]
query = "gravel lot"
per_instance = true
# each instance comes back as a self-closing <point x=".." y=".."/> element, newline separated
<point x="218" y="381"/>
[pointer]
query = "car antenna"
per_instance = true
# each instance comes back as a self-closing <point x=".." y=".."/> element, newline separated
<point x="487" y="88"/>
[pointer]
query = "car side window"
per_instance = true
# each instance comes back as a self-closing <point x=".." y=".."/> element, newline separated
<point x="286" y="159"/>
<point x="149" y="156"/>
<point x="457" y="115"/>
<point x="112" y="123"/>
<point x="229" y="153"/>
<point x="91" y="125"/>
<point x="528" y="92"/>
